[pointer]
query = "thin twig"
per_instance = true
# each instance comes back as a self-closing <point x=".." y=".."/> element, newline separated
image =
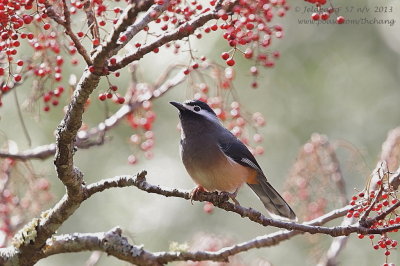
<point x="21" y="119"/>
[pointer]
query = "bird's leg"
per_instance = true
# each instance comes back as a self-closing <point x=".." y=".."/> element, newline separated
<point x="194" y="192"/>
<point x="232" y="196"/>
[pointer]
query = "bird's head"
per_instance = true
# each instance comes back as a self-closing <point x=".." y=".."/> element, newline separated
<point x="196" y="112"/>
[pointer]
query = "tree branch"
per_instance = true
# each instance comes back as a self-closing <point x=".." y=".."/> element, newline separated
<point x="98" y="132"/>
<point x="66" y="23"/>
<point x="221" y="201"/>
<point x="182" y="31"/>
<point x="127" y="18"/>
<point x="113" y="243"/>
<point x="139" y="25"/>
<point x="29" y="241"/>
<point x="40" y="152"/>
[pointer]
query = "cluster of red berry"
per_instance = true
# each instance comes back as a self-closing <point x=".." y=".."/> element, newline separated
<point x="142" y="122"/>
<point x="376" y="201"/>
<point x="324" y="13"/>
<point x="248" y="30"/>
<point x="27" y="20"/>
<point x="112" y="94"/>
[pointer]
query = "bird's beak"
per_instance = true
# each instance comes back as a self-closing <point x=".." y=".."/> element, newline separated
<point x="179" y="106"/>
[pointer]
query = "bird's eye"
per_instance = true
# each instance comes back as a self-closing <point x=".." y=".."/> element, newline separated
<point x="196" y="108"/>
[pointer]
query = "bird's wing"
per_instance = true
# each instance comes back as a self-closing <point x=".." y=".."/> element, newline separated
<point x="237" y="151"/>
<point x="272" y="200"/>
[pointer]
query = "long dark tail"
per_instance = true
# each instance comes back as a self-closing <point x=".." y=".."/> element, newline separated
<point x="273" y="202"/>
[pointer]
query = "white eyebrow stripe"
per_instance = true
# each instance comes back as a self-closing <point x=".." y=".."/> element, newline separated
<point x="203" y="113"/>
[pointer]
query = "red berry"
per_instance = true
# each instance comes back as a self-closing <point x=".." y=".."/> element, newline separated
<point x="132" y="159"/>
<point x="46" y="26"/>
<point x="17" y="78"/>
<point x="248" y="53"/>
<point x="102" y="97"/>
<point x="123" y="38"/>
<point x="225" y="16"/>
<point x="340" y="20"/>
<point x="27" y="19"/>
<point x="121" y="100"/>
<point x="225" y="55"/>
<point x="113" y="60"/>
<point x="230" y="62"/>
<point x="208" y="207"/>
<point x="315" y="16"/>
<point x="325" y="16"/>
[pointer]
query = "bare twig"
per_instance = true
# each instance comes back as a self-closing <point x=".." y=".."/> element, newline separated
<point x="91" y="19"/>
<point x="391" y="149"/>
<point x="128" y="17"/>
<point x="66" y="23"/>
<point x="40" y="152"/>
<point x="139" y="25"/>
<point x="21" y="119"/>
<point x="182" y="31"/>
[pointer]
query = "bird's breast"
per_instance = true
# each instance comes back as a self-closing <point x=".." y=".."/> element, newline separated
<point x="209" y="167"/>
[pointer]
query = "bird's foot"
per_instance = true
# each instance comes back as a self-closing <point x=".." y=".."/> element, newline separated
<point x="194" y="192"/>
<point x="232" y="196"/>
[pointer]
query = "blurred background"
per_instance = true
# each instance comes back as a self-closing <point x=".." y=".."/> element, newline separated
<point x="338" y="80"/>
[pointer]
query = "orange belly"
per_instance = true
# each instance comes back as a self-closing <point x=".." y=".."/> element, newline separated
<point x="223" y="174"/>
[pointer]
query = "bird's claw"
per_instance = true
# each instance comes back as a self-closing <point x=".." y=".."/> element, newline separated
<point x="194" y="192"/>
<point x="232" y="196"/>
